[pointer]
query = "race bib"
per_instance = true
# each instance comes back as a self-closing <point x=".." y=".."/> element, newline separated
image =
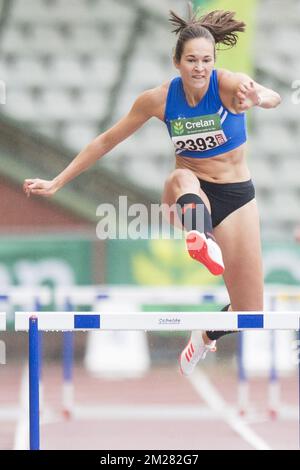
<point x="197" y="134"/>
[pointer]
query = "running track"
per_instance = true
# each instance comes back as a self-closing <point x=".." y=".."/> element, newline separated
<point x="162" y="410"/>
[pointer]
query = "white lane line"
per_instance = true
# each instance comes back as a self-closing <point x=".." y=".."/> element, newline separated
<point x="145" y="412"/>
<point x="12" y="413"/>
<point x="21" y="441"/>
<point x="9" y="413"/>
<point x="115" y="412"/>
<point x="133" y="413"/>
<point x="211" y="396"/>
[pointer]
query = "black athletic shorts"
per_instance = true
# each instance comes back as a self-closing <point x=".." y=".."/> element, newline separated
<point x="226" y="198"/>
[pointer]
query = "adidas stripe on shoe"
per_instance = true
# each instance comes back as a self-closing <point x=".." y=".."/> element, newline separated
<point x="194" y="351"/>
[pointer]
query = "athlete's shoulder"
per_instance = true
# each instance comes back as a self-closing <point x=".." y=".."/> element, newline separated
<point x="229" y="80"/>
<point x="153" y="101"/>
<point x="159" y="94"/>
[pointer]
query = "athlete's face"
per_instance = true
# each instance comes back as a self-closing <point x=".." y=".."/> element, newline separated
<point x="197" y="62"/>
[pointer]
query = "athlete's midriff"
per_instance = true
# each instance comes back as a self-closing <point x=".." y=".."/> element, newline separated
<point x="230" y="167"/>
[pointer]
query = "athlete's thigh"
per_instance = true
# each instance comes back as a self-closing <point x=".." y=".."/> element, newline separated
<point x="179" y="182"/>
<point x="239" y="239"/>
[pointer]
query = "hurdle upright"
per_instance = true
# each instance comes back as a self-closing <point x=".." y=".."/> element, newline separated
<point x="150" y="321"/>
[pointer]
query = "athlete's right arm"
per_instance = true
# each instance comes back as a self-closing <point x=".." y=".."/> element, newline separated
<point x="145" y="107"/>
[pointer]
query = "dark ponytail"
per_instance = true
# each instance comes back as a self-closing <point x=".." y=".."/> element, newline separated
<point x="219" y="27"/>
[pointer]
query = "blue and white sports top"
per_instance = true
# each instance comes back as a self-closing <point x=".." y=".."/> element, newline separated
<point x="205" y="130"/>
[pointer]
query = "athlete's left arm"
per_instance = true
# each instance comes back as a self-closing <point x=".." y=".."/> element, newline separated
<point x="242" y="93"/>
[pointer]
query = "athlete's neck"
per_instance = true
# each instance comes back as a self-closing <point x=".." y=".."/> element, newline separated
<point x="194" y="95"/>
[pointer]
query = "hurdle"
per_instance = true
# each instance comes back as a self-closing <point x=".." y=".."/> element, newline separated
<point x="71" y="297"/>
<point x="81" y="295"/>
<point x="68" y="298"/>
<point x="33" y="322"/>
<point x="273" y="294"/>
<point x="98" y="295"/>
<point x="20" y="295"/>
<point x="2" y="321"/>
<point x="28" y="297"/>
<point x="2" y="345"/>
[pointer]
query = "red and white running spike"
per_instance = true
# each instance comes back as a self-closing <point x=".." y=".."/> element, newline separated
<point x="195" y="350"/>
<point x="206" y="251"/>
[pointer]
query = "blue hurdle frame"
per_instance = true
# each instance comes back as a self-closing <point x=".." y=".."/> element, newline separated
<point x="92" y="321"/>
<point x="34" y="383"/>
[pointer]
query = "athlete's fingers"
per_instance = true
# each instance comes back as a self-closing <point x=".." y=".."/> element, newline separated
<point x="244" y="87"/>
<point x="30" y="184"/>
<point x="243" y="105"/>
<point x="40" y="192"/>
<point x="27" y="192"/>
<point x="26" y="189"/>
<point x="38" y="184"/>
<point x="241" y="96"/>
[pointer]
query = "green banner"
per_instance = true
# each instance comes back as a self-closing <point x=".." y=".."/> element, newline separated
<point x="282" y="262"/>
<point x="154" y="262"/>
<point x="166" y="262"/>
<point x="44" y="261"/>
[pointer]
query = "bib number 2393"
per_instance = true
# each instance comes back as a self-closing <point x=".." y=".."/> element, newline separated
<point x="197" y="134"/>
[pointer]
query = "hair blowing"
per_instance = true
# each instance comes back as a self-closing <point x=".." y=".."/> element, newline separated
<point x="218" y="27"/>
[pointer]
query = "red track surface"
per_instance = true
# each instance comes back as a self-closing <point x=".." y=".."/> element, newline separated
<point x="161" y="389"/>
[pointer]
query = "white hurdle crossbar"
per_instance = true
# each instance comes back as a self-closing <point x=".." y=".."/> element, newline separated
<point x="87" y="295"/>
<point x="159" y="321"/>
<point x="20" y="295"/>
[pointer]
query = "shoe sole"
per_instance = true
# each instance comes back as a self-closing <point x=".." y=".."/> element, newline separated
<point x="201" y="254"/>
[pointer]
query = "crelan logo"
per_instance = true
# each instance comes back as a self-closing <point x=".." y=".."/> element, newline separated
<point x="178" y="128"/>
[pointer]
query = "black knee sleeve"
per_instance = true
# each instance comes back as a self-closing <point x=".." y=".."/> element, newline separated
<point x="193" y="214"/>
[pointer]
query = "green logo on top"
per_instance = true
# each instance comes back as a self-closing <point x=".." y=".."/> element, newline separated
<point x="196" y="125"/>
<point x="178" y="128"/>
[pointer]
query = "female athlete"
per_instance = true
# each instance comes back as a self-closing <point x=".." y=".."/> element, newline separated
<point x="204" y="110"/>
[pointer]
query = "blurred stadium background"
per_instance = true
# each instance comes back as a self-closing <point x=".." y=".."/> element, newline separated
<point x="72" y="68"/>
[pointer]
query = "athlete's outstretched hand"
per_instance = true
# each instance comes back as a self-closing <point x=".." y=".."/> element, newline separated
<point x="246" y="96"/>
<point x="39" y="187"/>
